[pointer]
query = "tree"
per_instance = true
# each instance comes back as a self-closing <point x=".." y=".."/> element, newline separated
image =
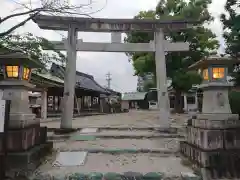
<point x="148" y="85"/>
<point x="53" y="7"/>
<point x="231" y="26"/>
<point x="202" y="43"/>
<point x="32" y="46"/>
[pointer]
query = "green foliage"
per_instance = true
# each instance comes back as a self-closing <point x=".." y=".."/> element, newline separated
<point x="232" y="34"/>
<point x="234" y="100"/>
<point x="148" y="85"/>
<point x="185" y="80"/>
<point x="32" y="46"/>
<point x="232" y="28"/>
<point x="202" y="41"/>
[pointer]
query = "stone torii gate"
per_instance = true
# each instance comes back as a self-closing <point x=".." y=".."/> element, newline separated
<point x="115" y="26"/>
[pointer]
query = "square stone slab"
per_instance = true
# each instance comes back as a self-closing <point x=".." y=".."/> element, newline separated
<point x="70" y="159"/>
<point x="89" y="130"/>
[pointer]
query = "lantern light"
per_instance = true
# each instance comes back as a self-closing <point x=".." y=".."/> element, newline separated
<point x="205" y="74"/>
<point x="26" y="73"/>
<point x="18" y="66"/>
<point x="12" y="71"/>
<point x="218" y="73"/>
<point x="17" y="72"/>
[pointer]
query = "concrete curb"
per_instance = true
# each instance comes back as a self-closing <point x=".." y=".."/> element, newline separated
<point x="122" y="151"/>
<point x="67" y="137"/>
<point x="117" y="176"/>
<point x="171" y="130"/>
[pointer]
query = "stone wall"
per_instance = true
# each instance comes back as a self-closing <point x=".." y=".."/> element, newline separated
<point x="214" y="146"/>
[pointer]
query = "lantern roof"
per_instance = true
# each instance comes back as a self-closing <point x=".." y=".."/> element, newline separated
<point x="18" y="58"/>
<point x="213" y="60"/>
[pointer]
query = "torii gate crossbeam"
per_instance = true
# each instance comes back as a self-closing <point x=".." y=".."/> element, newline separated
<point x="159" y="46"/>
<point x="122" y="47"/>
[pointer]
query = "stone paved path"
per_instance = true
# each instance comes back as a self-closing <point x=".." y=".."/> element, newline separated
<point x="116" y="154"/>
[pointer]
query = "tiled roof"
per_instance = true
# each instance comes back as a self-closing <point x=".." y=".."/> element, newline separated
<point x="49" y="76"/>
<point x="83" y="80"/>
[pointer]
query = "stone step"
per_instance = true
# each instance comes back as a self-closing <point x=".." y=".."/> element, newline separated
<point x="135" y="134"/>
<point x="104" y="163"/>
<point x="156" y="144"/>
<point x="124" y="128"/>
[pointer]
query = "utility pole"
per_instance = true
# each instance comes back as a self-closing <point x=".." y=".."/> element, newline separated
<point x="108" y="78"/>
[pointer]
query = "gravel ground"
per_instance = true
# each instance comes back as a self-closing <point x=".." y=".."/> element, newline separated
<point x="142" y="163"/>
<point x="131" y="119"/>
<point x="158" y="143"/>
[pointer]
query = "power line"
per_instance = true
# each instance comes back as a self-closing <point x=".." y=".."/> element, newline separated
<point x="109" y="79"/>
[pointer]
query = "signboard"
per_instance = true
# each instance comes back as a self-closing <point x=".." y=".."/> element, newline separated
<point x="2" y="112"/>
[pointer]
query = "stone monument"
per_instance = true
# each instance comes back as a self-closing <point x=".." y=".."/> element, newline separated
<point x="213" y="136"/>
<point x="26" y="140"/>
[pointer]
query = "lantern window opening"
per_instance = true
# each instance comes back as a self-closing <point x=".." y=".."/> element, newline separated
<point x="12" y="71"/>
<point x="218" y="73"/>
<point x="205" y="74"/>
<point x="26" y="72"/>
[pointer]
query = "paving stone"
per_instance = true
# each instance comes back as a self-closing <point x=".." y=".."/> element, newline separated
<point x="70" y="158"/>
<point x="95" y="176"/>
<point x="189" y="176"/>
<point x="77" y="176"/>
<point x="133" y="175"/>
<point x="153" y="176"/>
<point x="89" y="130"/>
<point x="112" y="176"/>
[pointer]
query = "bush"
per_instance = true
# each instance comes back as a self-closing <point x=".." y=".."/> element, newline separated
<point x="234" y="100"/>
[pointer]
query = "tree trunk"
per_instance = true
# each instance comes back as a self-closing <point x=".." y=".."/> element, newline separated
<point x="178" y="104"/>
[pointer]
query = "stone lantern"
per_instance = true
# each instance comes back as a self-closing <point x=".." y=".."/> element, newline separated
<point x="25" y="137"/>
<point x="215" y="86"/>
<point x="212" y="141"/>
<point x="17" y="69"/>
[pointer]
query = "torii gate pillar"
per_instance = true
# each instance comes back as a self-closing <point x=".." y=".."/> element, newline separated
<point x="69" y="79"/>
<point x="162" y="92"/>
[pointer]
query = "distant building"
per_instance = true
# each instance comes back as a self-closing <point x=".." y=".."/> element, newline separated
<point x="142" y="80"/>
<point x="135" y="100"/>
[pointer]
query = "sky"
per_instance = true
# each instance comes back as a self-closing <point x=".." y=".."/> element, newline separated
<point x="99" y="64"/>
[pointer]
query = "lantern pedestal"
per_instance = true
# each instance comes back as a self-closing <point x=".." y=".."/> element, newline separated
<point x="27" y="141"/>
<point x="20" y="113"/>
<point x="215" y="98"/>
<point x="215" y="104"/>
<point x="212" y="138"/>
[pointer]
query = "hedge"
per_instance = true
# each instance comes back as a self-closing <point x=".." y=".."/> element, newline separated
<point x="234" y="100"/>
